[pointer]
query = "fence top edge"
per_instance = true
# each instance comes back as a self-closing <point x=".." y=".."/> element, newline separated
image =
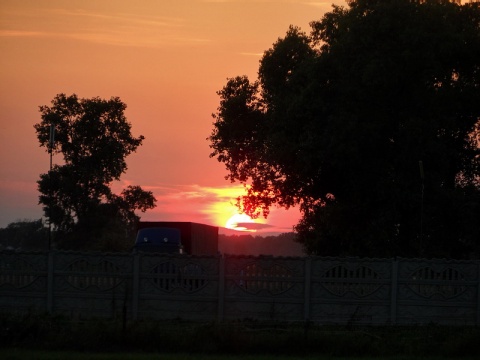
<point x="240" y="256"/>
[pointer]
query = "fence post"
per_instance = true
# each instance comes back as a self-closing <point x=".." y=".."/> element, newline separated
<point x="50" y="268"/>
<point x="221" y="287"/>
<point x="136" y="285"/>
<point x="478" y="294"/>
<point x="308" y="284"/>
<point x="393" y="290"/>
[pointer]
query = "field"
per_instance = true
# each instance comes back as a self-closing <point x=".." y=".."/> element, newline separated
<point x="40" y="337"/>
<point x="42" y="355"/>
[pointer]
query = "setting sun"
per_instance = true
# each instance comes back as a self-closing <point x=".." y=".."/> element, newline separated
<point x="237" y="222"/>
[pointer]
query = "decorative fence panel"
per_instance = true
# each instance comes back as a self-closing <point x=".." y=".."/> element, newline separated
<point x="204" y="288"/>
<point x="23" y="281"/>
<point x="265" y="288"/>
<point x="181" y="287"/>
<point x="351" y="291"/>
<point x="90" y="285"/>
<point x="439" y="292"/>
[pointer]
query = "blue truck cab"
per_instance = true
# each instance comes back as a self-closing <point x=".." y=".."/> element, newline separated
<point x="159" y="239"/>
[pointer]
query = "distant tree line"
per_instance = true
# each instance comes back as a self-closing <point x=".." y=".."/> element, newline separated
<point x="32" y="235"/>
<point x="248" y="244"/>
<point x="24" y="235"/>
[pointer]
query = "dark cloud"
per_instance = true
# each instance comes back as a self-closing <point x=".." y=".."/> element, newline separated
<point x="252" y="226"/>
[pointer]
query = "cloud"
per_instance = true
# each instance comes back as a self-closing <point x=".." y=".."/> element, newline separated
<point x="196" y="203"/>
<point x="22" y="33"/>
<point x="311" y="3"/>
<point x="115" y="29"/>
<point x="251" y="54"/>
<point x="212" y="205"/>
<point x="263" y="1"/>
<point x="253" y="225"/>
<point x="125" y="19"/>
<point x="321" y="4"/>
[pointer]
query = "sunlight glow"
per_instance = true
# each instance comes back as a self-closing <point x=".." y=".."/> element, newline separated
<point x="236" y="221"/>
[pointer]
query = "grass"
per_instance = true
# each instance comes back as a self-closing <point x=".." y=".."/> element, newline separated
<point x="15" y="354"/>
<point x="46" y="337"/>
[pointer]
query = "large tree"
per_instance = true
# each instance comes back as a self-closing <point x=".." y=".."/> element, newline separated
<point x="94" y="138"/>
<point x="370" y="124"/>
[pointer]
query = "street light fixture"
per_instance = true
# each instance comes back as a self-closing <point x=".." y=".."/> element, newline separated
<point x="51" y="144"/>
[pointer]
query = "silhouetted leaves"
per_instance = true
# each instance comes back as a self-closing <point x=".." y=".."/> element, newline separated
<point x="94" y="138"/>
<point x="339" y="120"/>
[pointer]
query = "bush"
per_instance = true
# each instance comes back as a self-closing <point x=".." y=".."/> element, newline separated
<point x="44" y="332"/>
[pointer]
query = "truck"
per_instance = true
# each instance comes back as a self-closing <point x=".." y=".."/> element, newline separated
<point x="176" y="237"/>
<point x="159" y="239"/>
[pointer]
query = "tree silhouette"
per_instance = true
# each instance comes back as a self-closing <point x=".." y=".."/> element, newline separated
<point x="94" y="138"/>
<point x="340" y="119"/>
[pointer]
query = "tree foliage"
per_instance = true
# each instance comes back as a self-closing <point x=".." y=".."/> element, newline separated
<point x="370" y="124"/>
<point x="24" y="235"/>
<point x="94" y="138"/>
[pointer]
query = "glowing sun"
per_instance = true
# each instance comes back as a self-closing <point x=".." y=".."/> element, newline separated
<point x="237" y="219"/>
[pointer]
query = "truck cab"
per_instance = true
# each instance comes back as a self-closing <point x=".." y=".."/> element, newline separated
<point x="159" y="240"/>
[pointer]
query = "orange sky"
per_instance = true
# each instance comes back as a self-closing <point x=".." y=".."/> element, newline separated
<point x="165" y="59"/>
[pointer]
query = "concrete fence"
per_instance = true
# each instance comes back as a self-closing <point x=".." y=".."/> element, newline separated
<point x="322" y="290"/>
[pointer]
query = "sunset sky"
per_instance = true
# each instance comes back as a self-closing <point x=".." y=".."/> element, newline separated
<point x="165" y="59"/>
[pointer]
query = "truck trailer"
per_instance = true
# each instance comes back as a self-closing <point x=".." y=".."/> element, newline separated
<point x="177" y="237"/>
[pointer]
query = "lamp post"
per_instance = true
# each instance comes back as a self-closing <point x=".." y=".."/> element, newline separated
<point x="51" y="144"/>
<point x="422" y="177"/>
